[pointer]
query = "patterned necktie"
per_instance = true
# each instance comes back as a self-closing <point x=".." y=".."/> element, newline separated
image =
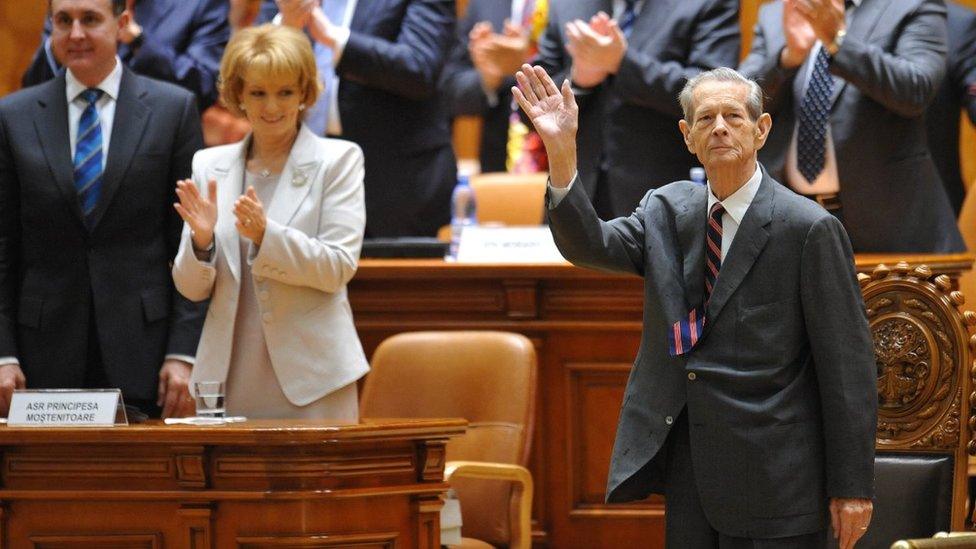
<point x="811" y="134"/>
<point x="318" y="117"/>
<point x="628" y="16"/>
<point x="685" y="333"/>
<point x="88" y="155"/>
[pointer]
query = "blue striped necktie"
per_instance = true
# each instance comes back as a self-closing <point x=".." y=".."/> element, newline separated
<point x="811" y="132"/>
<point x="628" y="16"/>
<point x="88" y="155"/>
<point x="686" y="332"/>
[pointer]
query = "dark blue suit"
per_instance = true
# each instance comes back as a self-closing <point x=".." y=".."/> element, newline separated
<point x="461" y="85"/>
<point x="942" y="116"/>
<point x="58" y="274"/>
<point x="183" y="42"/>
<point x="389" y="106"/>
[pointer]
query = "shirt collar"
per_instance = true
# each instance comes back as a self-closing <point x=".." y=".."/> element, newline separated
<point x="110" y="86"/>
<point x="738" y="202"/>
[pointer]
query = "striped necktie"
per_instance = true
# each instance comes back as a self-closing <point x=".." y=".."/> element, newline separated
<point x="628" y="16"/>
<point x="88" y="155"/>
<point x="685" y="333"/>
<point x="811" y="133"/>
<point x="318" y="116"/>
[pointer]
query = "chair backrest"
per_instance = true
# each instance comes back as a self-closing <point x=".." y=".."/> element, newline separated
<point x="509" y="198"/>
<point x="924" y="358"/>
<point x="489" y="378"/>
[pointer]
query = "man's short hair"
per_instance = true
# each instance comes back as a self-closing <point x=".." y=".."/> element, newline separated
<point x="754" y="101"/>
<point x="118" y="6"/>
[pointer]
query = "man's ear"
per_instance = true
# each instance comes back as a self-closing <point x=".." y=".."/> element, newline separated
<point x="686" y="132"/>
<point x="763" y="125"/>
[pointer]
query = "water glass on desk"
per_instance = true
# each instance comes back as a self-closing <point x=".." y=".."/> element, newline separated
<point x="209" y="398"/>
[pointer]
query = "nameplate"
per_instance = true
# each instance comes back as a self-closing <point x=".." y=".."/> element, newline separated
<point x="508" y="245"/>
<point x="63" y="408"/>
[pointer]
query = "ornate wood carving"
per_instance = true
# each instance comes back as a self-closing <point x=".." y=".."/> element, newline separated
<point x="189" y="467"/>
<point x="916" y="328"/>
<point x="521" y="298"/>
<point x="431" y="457"/>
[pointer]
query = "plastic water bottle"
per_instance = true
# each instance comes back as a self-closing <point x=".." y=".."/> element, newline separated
<point x="462" y="213"/>
<point x="697" y="175"/>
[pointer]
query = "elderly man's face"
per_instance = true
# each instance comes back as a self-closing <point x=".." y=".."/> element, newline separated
<point x="722" y="134"/>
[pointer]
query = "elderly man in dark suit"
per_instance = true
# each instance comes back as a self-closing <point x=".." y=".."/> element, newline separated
<point x="627" y="61"/>
<point x="848" y="85"/>
<point x="178" y="41"/>
<point x="88" y="167"/>
<point x="752" y="402"/>
<point x="381" y="62"/>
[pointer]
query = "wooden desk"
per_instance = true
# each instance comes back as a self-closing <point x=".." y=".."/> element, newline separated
<point x="259" y="484"/>
<point x="586" y="328"/>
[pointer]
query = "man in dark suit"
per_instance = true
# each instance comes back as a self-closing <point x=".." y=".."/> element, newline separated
<point x="88" y="165"/>
<point x="752" y="403"/>
<point x="849" y="87"/>
<point x="380" y="62"/>
<point x="494" y="39"/>
<point x="958" y="91"/>
<point x="626" y="74"/>
<point x="178" y="41"/>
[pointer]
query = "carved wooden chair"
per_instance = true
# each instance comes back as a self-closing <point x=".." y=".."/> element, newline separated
<point x="489" y="378"/>
<point x="924" y="364"/>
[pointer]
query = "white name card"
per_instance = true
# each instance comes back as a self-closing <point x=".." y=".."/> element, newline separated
<point x="508" y="245"/>
<point x="63" y="407"/>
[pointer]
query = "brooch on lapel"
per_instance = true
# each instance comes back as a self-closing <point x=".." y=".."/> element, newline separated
<point x="299" y="179"/>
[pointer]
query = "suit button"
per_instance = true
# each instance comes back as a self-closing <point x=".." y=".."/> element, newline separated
<point x="669" y="420"/>
<point x="263" y="294"/>
<point x="691" y="376"/>
<point x="266" y="317"/>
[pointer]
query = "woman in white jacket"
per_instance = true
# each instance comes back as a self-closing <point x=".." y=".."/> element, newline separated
<point x="273" y="229"/>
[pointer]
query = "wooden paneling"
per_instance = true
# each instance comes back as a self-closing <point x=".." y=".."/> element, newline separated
<point x="263" y="483"/>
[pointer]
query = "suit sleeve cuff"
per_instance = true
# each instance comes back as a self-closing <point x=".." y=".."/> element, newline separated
<point x="557" y="194"/>
<point x="185" y="358"/>
<point x="8" y="360"/>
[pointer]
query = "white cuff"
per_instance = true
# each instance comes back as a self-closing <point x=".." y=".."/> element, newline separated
<point x="557" y="194"/>
<point x="7" y="360"/>
<point x="185" y="358"/>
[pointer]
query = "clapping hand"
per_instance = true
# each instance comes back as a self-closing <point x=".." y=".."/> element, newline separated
<point x="597" y="48"/>
<point x="826" y="17"/>
<point x="496" y="56"/>
<point x="799" y="35"/>
<point x="295" y="13"/>
<point x="251" y="220"/>
<point x="199" y="212"/>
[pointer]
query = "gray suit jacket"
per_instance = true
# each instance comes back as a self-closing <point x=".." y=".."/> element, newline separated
<point x="628" y="122"/>
<point x="888" y="70"/>
<point x="782" y="410"/>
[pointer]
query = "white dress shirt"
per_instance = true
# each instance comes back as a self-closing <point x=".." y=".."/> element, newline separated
<point x="735" y="204"/>
<point x="828" y="182"/>
<point x="105" y="106"/>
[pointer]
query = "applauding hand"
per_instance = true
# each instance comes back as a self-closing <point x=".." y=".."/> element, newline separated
<point x="198" y="212"/>
<point x="251" y="220"/>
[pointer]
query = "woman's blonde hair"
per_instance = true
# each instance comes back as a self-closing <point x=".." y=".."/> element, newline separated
<point x="272" y="51"/>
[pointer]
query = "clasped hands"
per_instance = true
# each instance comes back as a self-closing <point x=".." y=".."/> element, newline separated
<point x="597" y="49"/>
<point x="497" y="55"/>
<point x="805" y="22"/>
<point x="200" y="213"/>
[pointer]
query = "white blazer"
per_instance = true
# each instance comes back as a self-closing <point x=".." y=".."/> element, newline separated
<point x="310" y="251"/>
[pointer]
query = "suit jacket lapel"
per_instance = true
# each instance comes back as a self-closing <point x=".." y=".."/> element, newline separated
<point x="131" y="118"/>
<point x="690" y="225"/>
<point x="653" y="14"/>
<point x="229" y="173"/>
<point x="749" y="241"/>
<point x="51" y="125"/>
<point x="866" y="17"/>
<point x="296" y="179"/>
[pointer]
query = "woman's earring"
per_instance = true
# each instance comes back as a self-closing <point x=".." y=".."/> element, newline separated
<point x="301" y="107"/>
<point x="242" y="107"/>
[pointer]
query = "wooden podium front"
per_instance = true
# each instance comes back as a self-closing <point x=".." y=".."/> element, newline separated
<point x="259" y="484"/>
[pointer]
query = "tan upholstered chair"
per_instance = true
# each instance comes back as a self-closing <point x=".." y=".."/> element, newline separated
<point x="942" y="540"/>
<point x="510" y="198"/>
<point x="924" y="359"/>
<point x="489" y="378"/>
